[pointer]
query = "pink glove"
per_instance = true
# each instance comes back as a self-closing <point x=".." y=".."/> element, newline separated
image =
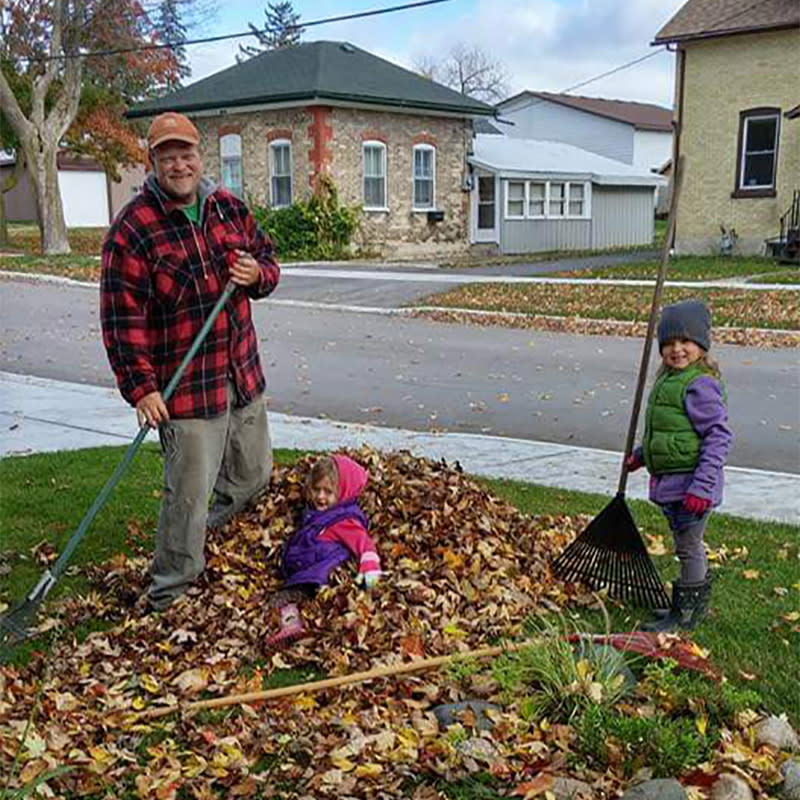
<point x="633" y="462"/>
<point x="696" y="505"/>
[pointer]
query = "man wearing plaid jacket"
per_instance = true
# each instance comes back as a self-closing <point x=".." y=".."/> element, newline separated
<point x="166" y="261"/>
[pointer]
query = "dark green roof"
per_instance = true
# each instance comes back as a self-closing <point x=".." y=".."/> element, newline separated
<point x="317" y="70"/>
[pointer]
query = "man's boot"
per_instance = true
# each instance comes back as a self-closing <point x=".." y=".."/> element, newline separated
<point x="687" y="600"/>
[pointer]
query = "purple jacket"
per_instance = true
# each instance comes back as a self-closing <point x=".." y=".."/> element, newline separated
<point x="309" y="559"/>
<point x="705" y="406"/>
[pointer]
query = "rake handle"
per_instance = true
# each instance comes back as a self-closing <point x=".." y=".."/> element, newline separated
<point x="677" y="179"/>
<point x="51" y="576"/>
<point x="330" y="683"/>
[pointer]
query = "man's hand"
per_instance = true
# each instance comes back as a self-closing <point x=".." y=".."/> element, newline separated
<point x="152" y="410"/>
<point x="243" y="268"/>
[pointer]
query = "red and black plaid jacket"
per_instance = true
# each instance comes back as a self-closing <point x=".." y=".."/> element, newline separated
<point x="161" y="277"/>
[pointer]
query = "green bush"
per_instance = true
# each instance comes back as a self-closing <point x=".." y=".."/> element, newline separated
<point x="668" y="746"/>
<point x="317" y="228"/>
<point x="685" y="693"/>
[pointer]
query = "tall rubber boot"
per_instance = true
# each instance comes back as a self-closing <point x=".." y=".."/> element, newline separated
<point x="686" y="601"/>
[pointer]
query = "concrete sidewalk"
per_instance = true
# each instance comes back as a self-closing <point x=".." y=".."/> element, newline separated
<point x="39" y="415"/>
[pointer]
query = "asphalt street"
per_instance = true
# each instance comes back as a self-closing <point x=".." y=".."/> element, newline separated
<point x="421" y="375"/>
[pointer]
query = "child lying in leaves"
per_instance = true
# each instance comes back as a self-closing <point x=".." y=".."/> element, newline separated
<point x="333" y="529"/>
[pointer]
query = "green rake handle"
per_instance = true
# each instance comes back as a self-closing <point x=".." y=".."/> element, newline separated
<point x="48" y="580"/>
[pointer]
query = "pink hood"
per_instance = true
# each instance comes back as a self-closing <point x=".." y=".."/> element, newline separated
<point x="352" y="478"/>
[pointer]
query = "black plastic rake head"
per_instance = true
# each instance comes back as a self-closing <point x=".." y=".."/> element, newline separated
<point x="610" y="554"/>
<point x="16" y="627"/>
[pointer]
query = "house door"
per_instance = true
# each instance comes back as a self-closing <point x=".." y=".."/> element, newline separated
<point x="484" y="208"/>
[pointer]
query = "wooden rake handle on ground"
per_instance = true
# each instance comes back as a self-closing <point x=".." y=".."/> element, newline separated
<point x="331" y="683"/>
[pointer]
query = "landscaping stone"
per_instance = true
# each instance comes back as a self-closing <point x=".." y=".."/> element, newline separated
<point x="791" y="780"/>
<point x="731" y="787"/>
<point x="479" y="749"/>
<point x="450" y="714"/>
<point x="659" y="789"/>
<point x="778" y="733"/>
<point x="571" y="789"/>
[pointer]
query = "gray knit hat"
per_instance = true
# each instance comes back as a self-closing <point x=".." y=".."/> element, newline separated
<point x="687" y="320"/>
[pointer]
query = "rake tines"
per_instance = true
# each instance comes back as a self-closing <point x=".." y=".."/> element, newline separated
<point x="610" y="554"/>
<point x="15" y="627"/>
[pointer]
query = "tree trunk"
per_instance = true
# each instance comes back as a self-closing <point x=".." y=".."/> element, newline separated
<point x="10" y="182"/>
<point x="51" y="210"/>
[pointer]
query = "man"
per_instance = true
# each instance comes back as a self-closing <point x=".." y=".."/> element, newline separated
<point x="166" y="261"/>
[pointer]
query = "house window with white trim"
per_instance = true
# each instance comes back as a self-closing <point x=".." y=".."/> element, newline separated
<point x="230" y="155"/>
<point x="545" y="200"/>
<point x="375" y="176"/>
<point x="576" y="199"/>
<point x="424" y="176"/>
<point x="758" y="156"/>
<point x="281" y="173"/>
<point x="515" y="200"/>
<point x="537" y="197"/>
<point x="555" y="206"/>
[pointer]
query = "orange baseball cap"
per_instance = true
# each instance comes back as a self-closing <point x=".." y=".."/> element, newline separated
<point x="171" y="126"/>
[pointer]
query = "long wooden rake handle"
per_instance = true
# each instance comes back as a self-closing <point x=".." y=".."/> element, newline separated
<point x="331" y="683"/>
<point x="677" y="180"/>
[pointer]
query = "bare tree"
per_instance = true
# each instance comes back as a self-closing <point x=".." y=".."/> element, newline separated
<point x="468" y="69"/>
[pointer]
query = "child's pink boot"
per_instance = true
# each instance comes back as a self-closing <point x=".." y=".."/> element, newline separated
<point x="291" y="627"/>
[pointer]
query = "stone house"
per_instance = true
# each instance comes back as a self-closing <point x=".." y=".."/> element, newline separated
<point x="736" y="98"/>
<point x="394" y="143"/>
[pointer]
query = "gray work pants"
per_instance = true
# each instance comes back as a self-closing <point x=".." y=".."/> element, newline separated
<point x="229" y="455"/>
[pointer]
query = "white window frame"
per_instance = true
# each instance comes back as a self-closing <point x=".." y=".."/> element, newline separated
<point x="528" y="214"/>
<point x="273" y="146"/>
<point x="587" y="200"/>
<point x="432" y="150"/>
<point x="743" y="155"/>
<point x="382" y="145"/>
<point x="224" y="158"/>
<point x="507" y="198"/>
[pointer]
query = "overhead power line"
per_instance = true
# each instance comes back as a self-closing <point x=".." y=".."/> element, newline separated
<point x="224" y="37"/>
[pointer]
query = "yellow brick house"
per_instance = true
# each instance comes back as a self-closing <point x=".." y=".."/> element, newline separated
<point x="737" y="89"/>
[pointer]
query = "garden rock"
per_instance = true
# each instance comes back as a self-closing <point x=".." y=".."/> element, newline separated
<point x="451" y="713"/>
<point x="479" y="749"/>
<point x="571" y="789"/>
<point x="659" y="789"/>
<point x="791" y="780"/>
<point x="731" y="787"/>
<point x="778" y="733"/>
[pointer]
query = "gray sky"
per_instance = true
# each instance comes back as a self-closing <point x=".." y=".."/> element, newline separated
<point x="545" y="44"/>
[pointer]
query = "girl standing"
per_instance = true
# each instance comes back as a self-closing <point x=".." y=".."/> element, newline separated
<point x="685" y="447"/>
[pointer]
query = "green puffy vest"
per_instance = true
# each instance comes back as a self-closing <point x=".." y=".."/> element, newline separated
<point x="670" y="443"/>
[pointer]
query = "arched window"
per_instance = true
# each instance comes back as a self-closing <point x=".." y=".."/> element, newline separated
<point x="375" y="176"/>
<point x="230" y="156"/>
<point x="280" y="165"/>
<point x="424" y="158"/>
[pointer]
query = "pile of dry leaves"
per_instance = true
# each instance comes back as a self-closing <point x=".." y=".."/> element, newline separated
<point x="463" y="568"/>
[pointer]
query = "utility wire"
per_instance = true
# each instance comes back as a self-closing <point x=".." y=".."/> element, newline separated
<point x="225" y="37"/>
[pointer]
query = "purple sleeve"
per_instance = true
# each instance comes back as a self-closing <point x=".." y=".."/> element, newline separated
<point x="706" y="409"/>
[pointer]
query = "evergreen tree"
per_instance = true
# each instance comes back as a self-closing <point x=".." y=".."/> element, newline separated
<point x="281" y="29"/>
<point x="172" y="29"/>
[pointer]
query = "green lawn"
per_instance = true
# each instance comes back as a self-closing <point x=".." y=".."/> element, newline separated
<point x="696" y="268"/>
<point x="751" y="634"/>
<point x="77" y="267"/>
<point x="730" y="307"/>
<point x="83" y="241"/>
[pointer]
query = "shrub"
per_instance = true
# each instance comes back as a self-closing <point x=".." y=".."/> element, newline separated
<point x="564" y="679"/>
<point x="685" y="693"/>
<point x="668" y="746"/>
<point x="317" y="228"/>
